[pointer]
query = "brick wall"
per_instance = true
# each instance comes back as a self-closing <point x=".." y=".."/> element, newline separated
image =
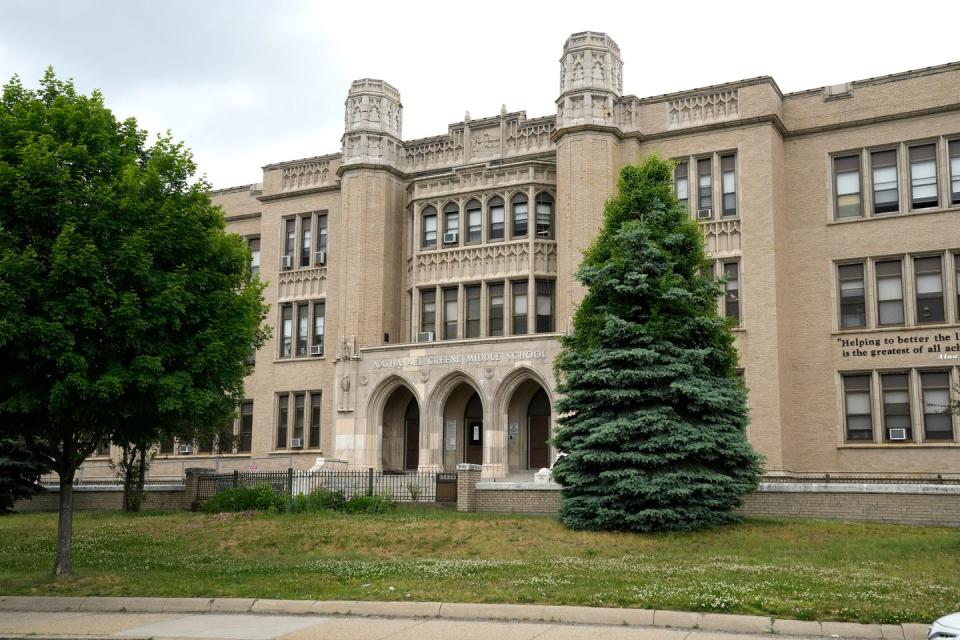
<point x="99" y="499"/>
<point x="518" y="501"/>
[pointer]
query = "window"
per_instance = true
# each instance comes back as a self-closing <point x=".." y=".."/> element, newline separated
<point x="896" y="406"/>
<point x="428" y="311"/>
<point x="166" y="447"/>
<point x="923" y="176"/>
<point x="299" y="417"/>
<point x="303" y="328"/>
<point x="853" y="306"/>
<point x="495" y="293"/>
<point x="520" y="215"/>
<point x="937" y="422"/>
<point x="450" y="314"/>
<point x="286" y="331"/>
<point x="704" y="184"/>
<point x="929" y="275"/>
<point x="254" y="255"/>
<point x="495" y="208"/>
<point x="474" y="221"/>
<point x="846" y="170"/>
<point x="472" y="294"/>
<point x="544" y="306"/>
<point x="306" y="242"/>
<point x="889" y="292"/>
<point x="857" y="404"/>
<point x="519" y="290"/>
<point x="290" y="238"/>
<point x="319" y="325"/>
<point x="315" y="420"/>
<point x="245" y="436"/>
<point x="731" y="298"/>
<point x="429" y="240"/>
<point x="283" y="416"/>
<point x="956" y="268"/>
<point x="681" y="184"/>
<point x="321" y="257"/>
<point x="728" y="174"/>
<point x="886" y="196"/>
<point x="544" y="219"/>
<point x="954" y="149"/>
<point x="451" y="224"/>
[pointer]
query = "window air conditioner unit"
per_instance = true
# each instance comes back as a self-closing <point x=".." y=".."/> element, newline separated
<point x="705" y="214"/>
<point x="296" y="443"/>
<point x="316" y="350"/>
<point x="450" y="237"/>
<point x="425" y="336"/>
<point x="897" y="434"/>
<point x="186" y="449"/>
<point x="286" y="262"/>
<point x="320" y="258"/>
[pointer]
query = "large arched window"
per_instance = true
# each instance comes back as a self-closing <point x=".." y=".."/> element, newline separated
<point x="451" y="224"/>
<point x="474" y="221"/>
<point x="544" y="215"/>
<point x="521" y="214"/>
<point x="495" y="211"/>
<point x="429" y="228"/>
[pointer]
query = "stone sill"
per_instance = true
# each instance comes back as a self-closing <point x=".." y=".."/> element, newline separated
<point x="299" y="359"/>
<point x="894" y="215"/>
<point x="946" y="444"/>
<point x="858" y="487"/>
<point x="488" y="485"/>
<point x="896" y="328"/>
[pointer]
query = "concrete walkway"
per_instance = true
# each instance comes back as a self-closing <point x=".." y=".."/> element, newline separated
<point x="253" y="619"/>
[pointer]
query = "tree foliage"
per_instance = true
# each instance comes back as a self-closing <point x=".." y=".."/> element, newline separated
<point x="20" y="470"/>
<point x="652" y="416"/>
<point x="126" y="310"/>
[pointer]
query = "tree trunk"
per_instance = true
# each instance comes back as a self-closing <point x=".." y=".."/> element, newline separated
<point x="141" y="476"/>
<point x="63" y="565"/>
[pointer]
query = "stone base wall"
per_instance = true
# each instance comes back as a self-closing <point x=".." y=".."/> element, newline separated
<point x="518" y="497"/>
<point x="100" y="499"/>
<point x="894" y="507"/>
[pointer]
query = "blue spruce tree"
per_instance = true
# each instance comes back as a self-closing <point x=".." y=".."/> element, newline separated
<point x="653" y="416"/>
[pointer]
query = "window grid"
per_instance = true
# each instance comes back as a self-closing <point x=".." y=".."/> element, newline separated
<point x="302" y="329"/>
<point x="303" y="422"/>
<point x="853" y="310"/>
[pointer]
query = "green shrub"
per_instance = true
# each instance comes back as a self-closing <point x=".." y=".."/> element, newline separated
<point x="260" y="497"/>
<point x="369" y="504"/>
<point x="324" y="500"/>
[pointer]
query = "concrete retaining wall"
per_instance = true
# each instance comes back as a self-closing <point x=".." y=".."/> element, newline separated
<point x="103" y="499"/>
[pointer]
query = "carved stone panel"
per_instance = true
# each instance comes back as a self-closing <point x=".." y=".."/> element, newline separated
<point x="302" y="284"/>
<point x="469" y="263"/>
<point x="722" y="237"/>
<point x="704" y="108"/>
<point x="306" y="175"/>
<point x="545" y="257"/>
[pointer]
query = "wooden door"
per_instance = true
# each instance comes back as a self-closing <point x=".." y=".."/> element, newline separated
<point x="539" y="449"/>
<point x="474" y="442"/>
<point x="412" y="443"/>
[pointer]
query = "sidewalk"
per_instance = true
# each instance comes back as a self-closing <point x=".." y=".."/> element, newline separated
<point x="253" y="619"/>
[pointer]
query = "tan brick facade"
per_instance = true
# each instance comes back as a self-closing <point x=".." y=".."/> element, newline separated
<point x="394" y="394"/>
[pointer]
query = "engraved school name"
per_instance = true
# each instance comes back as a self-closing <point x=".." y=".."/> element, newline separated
<point x="460" y="358"/>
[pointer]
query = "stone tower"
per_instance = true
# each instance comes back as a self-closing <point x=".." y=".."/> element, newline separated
<point x="588" y="152"/>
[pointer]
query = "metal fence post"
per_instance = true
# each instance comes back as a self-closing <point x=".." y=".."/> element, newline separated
<point x="370" y="481"/>
<point x="236" y="478"/>
<point x="290" y="487"/>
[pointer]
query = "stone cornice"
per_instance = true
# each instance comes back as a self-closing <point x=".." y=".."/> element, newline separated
<point x="297" y="194"/>
<point x="370" y="166"/>
<point x="559" y="133"/>
<point x="243" y="216"/>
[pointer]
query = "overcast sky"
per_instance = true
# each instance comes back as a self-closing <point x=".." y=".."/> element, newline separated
<point x="249" y="83"/>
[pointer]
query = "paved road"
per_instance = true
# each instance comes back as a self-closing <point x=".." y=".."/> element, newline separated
<point x="127" y="626"/>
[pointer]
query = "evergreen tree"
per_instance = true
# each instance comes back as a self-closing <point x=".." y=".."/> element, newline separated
<point x="653" y="417"/>
<point x="20" y="470"/>
<point x="126" y="310"/>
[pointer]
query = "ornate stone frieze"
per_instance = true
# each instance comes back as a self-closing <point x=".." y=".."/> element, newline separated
<point x="722" y="237"/>
<point x="473" y="179"/>
<point x="307" y="174"/>
<point x="302" y="284"/>
<point x="628" y="114"/>
<point x="435" y="152"/>
<point x="704" y="108"/>
<point x="530" y="136"/>
<point x="504" y="259"/>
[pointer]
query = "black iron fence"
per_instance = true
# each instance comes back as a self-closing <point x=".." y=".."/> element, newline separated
<point x="397" y="487"/>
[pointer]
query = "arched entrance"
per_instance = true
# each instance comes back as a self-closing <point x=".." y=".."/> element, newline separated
<point x="400" y="442"/>
<point x="529" y="422"/>
<point x="473" y="430"/>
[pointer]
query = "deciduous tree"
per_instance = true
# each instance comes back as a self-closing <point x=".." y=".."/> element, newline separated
<point x="126" y="310"/>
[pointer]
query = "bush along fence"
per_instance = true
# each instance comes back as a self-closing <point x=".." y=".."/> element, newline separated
<point x="415" y="487"/>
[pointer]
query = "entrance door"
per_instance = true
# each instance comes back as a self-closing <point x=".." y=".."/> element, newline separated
<point x="412" y="440"/>
<point x="474" y="442"/>
<point x="538" y="435"/>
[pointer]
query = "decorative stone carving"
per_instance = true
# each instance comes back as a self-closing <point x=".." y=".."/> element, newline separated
<point x="494" y="260"/>
<point x="303" y="284"/>
<point x="372" y="123"/>
<point x="722" y="237"/>
<point x="704" y="108"/>
<point x="305" y="174"/>
<point x="425" y="376"/>
<point x="433" y="152"/>
<point x="486" y="143"/>
<point x="591" y="77"/>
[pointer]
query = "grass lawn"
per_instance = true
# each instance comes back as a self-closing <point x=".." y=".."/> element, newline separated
<point x="791" y="569"/>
